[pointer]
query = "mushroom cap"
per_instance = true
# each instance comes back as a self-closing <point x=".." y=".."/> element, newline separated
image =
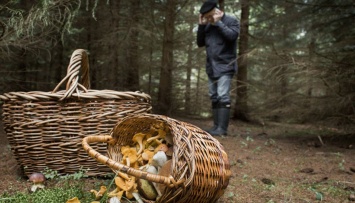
<point x="123" y="184"/>
<point x="138" y="137"/>
<point x="147" y="155"/>
<point x="162" y="147"/>
<point x="37" y="178"/>
<point x="129" y="153"/>
<point x="73" y="200"/>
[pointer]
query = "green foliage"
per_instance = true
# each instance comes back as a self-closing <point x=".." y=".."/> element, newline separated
<point x="53" y="174"/>
<point x="53" y="195"/>
<point x="67" y="187"/>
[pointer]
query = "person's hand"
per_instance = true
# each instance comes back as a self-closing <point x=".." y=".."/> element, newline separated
<point x="202" y="20"/>
<point x="218" y="14"/>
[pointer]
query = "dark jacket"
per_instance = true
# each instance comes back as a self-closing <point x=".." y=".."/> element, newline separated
<point x="221" y="46"/>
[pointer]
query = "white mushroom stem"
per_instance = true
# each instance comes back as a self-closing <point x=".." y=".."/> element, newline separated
<point x="159" y="159"/>
<point x="35" y="186"/>
<point x="114" y="200"/>
<point x="151" y="169"/>
<point x="137" y="197"/>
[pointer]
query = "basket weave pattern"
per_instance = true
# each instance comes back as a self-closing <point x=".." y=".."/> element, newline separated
<point x="45" y="129"/>
<point x="200" y="168"/>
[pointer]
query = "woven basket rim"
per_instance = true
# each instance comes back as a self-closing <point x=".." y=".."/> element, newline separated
<point x="185" y="176"/>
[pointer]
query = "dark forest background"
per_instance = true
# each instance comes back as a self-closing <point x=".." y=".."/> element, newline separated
<point x="296" y="57"/>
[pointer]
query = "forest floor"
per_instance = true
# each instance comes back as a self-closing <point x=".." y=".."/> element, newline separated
<point x="271" y="163"/>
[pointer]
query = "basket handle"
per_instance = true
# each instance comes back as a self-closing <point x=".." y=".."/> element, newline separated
<point x="79" y="60"/>
<point x="168" y="181"/>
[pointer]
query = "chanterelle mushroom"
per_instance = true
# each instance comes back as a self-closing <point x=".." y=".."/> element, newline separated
<point x="100" y="193"/>
<point x="73" y="200"/>
<point x="161" y="135"/>
<point x="139" y="139"/>
<point x="129" y="156"/>
<point x="38" y="180"/>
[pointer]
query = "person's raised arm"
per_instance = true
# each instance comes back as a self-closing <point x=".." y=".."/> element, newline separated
<point x="201" y="31"/>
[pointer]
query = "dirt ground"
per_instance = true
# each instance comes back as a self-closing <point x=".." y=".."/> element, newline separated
<point x="271" y="163"/>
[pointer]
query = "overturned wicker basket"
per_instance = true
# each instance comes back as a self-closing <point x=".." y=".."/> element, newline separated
<point x="200" y="169"/>
<point x="45" y="129"/>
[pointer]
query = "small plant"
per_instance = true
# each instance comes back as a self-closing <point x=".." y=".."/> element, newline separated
<point x="319" y="195"/>
<point x="270" y="142"/>
<point x="247" y="141"/>
<point x="341" y="165"/>
<point x="53" y="174"/>
<point x="257" y="149"/>
<point x="50" y="174"/>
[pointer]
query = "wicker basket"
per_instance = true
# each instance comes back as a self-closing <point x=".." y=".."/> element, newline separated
<point x="200" y="168"/>
<point x="45" y="129"/>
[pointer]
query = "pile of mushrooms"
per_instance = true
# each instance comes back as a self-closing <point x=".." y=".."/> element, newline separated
<point x="150" y="152"/>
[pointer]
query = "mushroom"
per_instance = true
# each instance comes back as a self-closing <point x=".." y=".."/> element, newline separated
<point x="37" y="179"/>
<point x="100" y="193"/>
<point x="162" y="147"/>
<point x="129" y="156"/>
<point x="115" y="200"/>
<point x="147" y="155"/>
<point x="128" y="186"/>
<point x="165" y="171"/>
<point x="147" y="189"/>
<point x="151" y="169"/>
<point x="139" y="139"/>
<point x="161" y="135"/>
<point x="137" y="197"/>
<point x="158" y="159"/>
<point x="170" y="151"/>
<point x="73" y="200"/>
<point x="117" y="193"/>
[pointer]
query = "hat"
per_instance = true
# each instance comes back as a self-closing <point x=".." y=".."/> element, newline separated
<point x="207" y="6"/>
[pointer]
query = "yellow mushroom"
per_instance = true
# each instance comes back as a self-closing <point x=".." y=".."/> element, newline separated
<point x="147" y="155"/>
<point x="138" y="138"/>
<point x="73" y="200"/>
<point x="116" y="193"/>
<point x="161" y="135"/>
<point x="129" y="156"/>
<point x="128" y="186"/>
<point x="100" y="193"/>
<point x="161" y="147"/>
<point x="123" y="184"/>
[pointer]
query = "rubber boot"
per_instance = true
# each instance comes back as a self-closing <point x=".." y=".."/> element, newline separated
<point x="215" y="117"/>
<point x="215" y="120"/>
<point x="223" y="122"/>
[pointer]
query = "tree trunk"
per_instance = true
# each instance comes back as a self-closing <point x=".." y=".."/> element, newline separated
<point x="188" y="68"/>
<point x="241" y="107"/>
<point x="132" y="69"/>
<point x="165" y="85"/>
<point x="114" y="64"/>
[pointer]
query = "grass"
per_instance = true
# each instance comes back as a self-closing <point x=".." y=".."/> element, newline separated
<point x="51" y="195"/>
<point x="59" y="189"/>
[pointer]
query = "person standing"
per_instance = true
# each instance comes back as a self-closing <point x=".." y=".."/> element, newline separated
<point x="218" y="33"/>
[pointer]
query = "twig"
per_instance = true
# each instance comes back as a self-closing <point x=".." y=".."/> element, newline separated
<point x="320" y="139"/>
